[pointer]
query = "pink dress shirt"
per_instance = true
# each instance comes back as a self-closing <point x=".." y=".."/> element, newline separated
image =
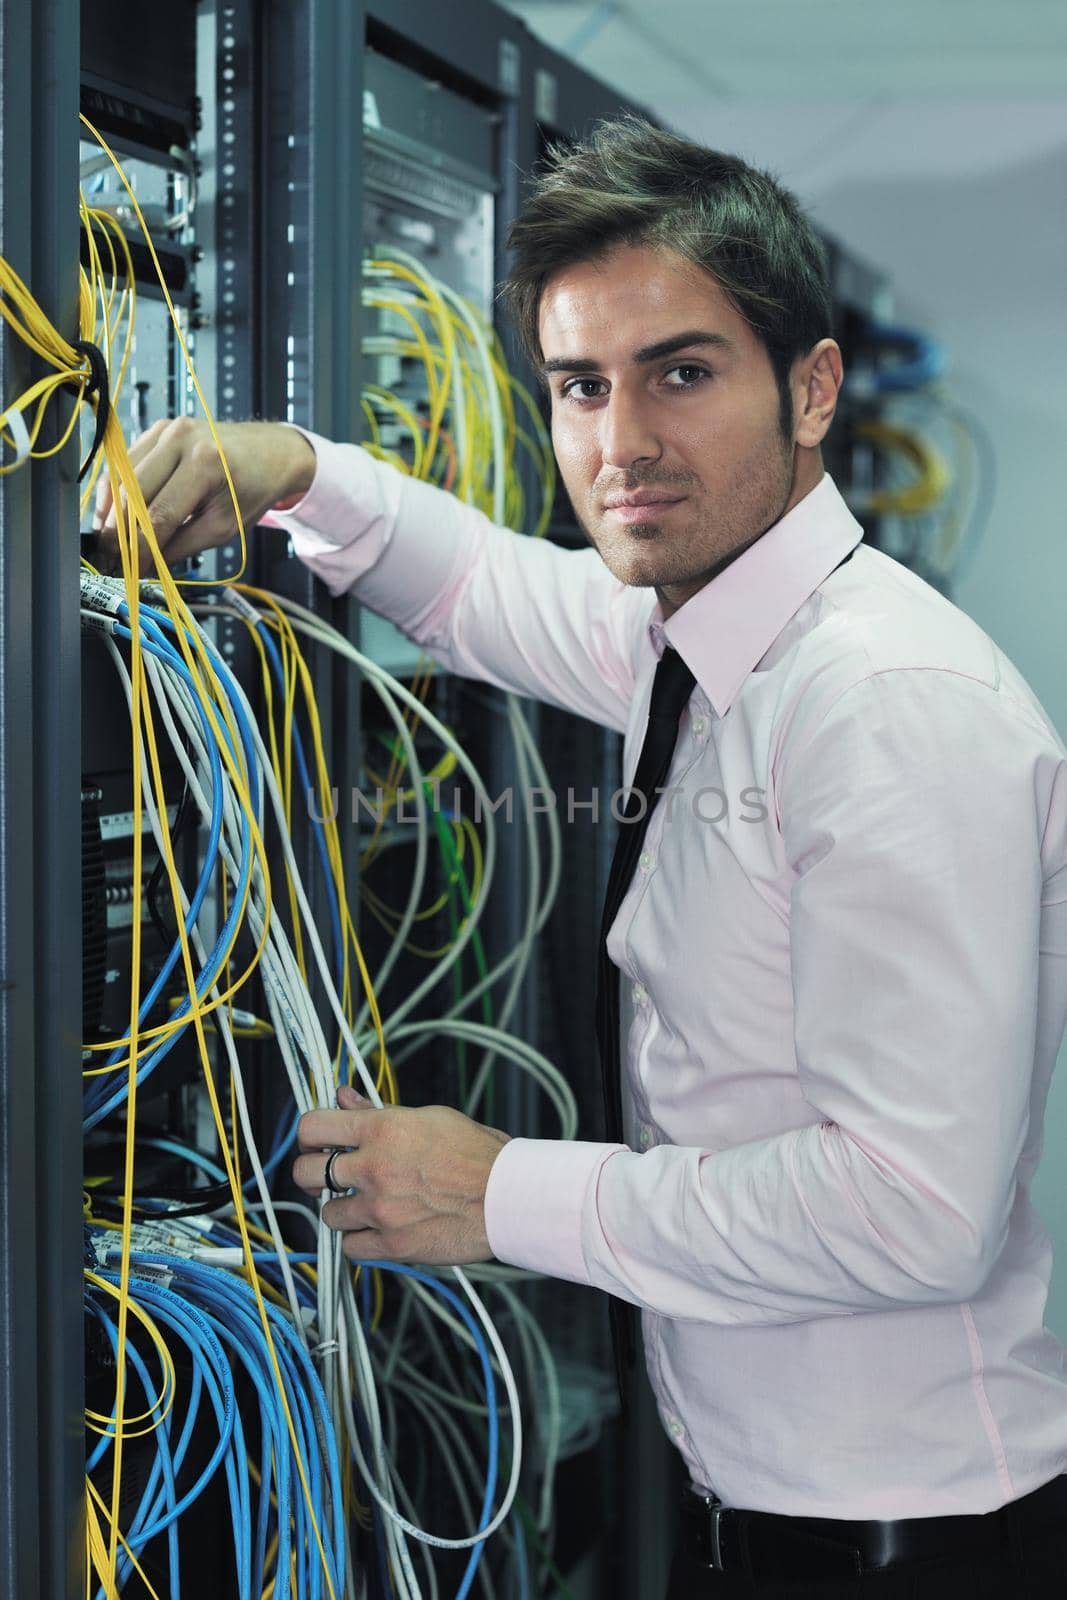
<point x="844" y="979"/>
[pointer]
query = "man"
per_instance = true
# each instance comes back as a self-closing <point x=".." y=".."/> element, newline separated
<point x="843" y="944"/>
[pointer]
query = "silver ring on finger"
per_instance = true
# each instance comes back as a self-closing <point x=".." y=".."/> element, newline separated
<point x="328" y="1179"/>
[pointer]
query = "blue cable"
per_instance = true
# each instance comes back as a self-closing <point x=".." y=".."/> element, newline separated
<point x="95" y="1091"/>
<point x="209" y="1359"/>
<point x="283" y="1142"/>
<point x="267" y="1261"/>
<point x="163" y="1466"/>
<point x="233" y="1457"/>
<point x="196" y="1158"/>
<point x="163" y="652"/>
<point x="215" y="960"/>
<point x="219" y="1310"/>
<point x="244" y="1334"/>
<point x="490" y="1388"/>
<point x="271" y="1422"/>
<point x="923" y="361"/>
<point x="306" y="1396"/>
<point x="157" y="620"/>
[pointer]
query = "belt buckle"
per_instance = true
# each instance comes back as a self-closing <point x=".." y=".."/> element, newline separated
<point x="715" y="1508"/>
<point x="716" y="1549"/>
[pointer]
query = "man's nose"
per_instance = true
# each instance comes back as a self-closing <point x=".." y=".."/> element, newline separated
<point x="627" y="434"/>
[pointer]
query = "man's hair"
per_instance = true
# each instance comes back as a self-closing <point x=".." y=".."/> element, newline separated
<point x="630" y="183"/>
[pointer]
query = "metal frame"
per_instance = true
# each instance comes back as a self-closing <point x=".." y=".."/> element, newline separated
<point x="41" y="1255"/>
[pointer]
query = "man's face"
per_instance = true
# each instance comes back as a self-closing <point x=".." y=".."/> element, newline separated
<point x="665" y="417"/>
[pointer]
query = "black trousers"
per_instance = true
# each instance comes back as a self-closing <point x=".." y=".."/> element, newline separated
<point x="1029" y="1563"/>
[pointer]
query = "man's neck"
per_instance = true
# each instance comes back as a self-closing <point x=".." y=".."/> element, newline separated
<point x="807" y="476"/>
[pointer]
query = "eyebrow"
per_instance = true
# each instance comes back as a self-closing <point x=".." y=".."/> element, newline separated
<point x="648" y="352"/>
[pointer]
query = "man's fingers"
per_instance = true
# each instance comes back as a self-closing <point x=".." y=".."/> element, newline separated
<point x="139" y="452"/>
<point x="193" y="538"/>
<point x="165" y="452"/>
<point x="309" y="1172"/>
<point x="188" y="514"/>
<point x="350" y="1099"/>
<point x="365" y="1244"/>
<point x="105" y="489"/>
<point x="325" y="1130"/>
<point x="187" y="489"/>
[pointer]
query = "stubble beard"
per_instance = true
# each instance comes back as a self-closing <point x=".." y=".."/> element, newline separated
<point x="654" y="555"/>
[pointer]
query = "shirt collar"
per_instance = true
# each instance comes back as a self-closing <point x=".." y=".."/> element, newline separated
<point x="730" y="624"/>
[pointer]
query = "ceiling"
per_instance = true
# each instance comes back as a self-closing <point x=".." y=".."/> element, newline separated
<point x="674" y="53"/>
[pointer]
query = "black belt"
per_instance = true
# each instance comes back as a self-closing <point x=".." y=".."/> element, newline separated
<point x="764" y="1545"/>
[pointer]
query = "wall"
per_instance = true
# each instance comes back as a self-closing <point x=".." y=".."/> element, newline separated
<point x="964" y="202"/>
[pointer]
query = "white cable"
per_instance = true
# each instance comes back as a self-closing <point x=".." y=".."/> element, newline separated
<point x="299" y="1026"/>
<point x="450" y="1443"/>
<point x="525" y="945"/>
<point x="292" y="1014"/>
<point x="155" y="672"/>
<point x="421" y="823"/>
<point x="348" y="1302"/>
<point x="540" y="1068"/>
<point x="306" y="622"/>
<point x="529" y="1327"/>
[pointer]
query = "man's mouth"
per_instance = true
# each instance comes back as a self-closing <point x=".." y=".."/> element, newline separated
<point x="644" y="505"/>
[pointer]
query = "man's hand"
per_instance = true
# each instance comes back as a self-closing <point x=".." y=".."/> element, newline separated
<point x="180" y="473"/>
<point x="420" y="1173"/>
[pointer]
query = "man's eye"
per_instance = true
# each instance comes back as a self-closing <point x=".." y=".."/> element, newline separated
<point x="689" y="375"/>
<point x="583" y="388"/>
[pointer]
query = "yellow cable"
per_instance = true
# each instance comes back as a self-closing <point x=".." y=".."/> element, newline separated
<point x="165" y="1400"/>
<point x="191" y="647"/>
<point x="208" y="414"/>
<point x="97" y="1558"/>
<point x="925" y="491"/>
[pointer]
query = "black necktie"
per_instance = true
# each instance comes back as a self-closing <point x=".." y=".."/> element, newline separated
<point x="671" y="688"/>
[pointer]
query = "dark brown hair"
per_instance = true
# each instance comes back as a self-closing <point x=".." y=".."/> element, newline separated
<point x="630" y="183"/>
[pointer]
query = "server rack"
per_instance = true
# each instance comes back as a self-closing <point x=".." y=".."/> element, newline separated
<point x="40" y="902"/>
<point x="282" y="147"/>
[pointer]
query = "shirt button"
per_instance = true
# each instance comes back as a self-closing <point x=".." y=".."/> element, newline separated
<point x="699" y="726"/>
<point x="674" y="1428"/>
<point x="646" y="1136"/>
<point x="646" y="860"/>
<point x="640" y="994"/>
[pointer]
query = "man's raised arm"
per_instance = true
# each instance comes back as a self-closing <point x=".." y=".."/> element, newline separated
<point x="486" y="602"/>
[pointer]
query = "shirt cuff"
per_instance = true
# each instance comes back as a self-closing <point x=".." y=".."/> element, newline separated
<point x="538" y="1193"/>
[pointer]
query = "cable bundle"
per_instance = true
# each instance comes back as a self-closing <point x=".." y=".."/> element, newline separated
<point x="939" y="472"/>
<point x="311" y="1375"/>
<point x="466" y="376"/>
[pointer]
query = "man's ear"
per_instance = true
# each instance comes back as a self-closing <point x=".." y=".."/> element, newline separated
<point x="816" y="387"/>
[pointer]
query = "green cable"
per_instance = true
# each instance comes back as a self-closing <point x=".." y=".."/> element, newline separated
<point x="457" y="878"/>
<point x="444" y="840"/>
